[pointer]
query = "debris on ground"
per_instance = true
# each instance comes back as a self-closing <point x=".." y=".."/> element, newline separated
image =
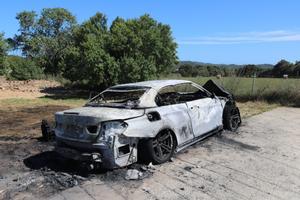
<point x="133" y="174"/>
<point x="61" y="179"/>
<point x="139" y="172"/>
<point x="151" y="166"/>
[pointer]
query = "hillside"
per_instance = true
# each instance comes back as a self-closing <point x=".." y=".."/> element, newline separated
<point x="195" y="63"/>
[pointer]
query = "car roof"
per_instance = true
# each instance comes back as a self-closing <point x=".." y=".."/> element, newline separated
<point x="155" y="84"/>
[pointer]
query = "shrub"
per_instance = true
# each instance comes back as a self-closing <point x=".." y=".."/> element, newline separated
<point x="18" y="68"/>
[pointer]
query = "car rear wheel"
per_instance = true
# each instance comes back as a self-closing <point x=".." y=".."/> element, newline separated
<point x="161" y="148"/>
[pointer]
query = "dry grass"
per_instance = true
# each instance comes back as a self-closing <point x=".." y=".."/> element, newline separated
<point x="250" y="108"/>
<point x="12" y="103"/>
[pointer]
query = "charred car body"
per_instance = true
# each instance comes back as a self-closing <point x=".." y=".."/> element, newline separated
<point x="149" y="120"/>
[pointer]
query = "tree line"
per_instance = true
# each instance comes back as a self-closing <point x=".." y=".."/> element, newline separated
<point x="90" y="53"/>
<point x="283" y="67"/>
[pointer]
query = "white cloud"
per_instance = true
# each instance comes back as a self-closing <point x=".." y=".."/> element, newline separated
<point x="241" y="38"/>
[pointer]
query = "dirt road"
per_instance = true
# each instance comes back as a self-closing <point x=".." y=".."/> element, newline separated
<point x="262" y="161"/>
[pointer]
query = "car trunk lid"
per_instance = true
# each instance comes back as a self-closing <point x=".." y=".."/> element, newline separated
<point x="74" y="124"/>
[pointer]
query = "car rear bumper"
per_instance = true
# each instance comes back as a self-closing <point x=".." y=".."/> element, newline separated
<point x="87" y="153"/>
<point x="106" y="155"/>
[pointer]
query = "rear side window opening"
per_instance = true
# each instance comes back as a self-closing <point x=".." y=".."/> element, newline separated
<point x="119" y="96"/>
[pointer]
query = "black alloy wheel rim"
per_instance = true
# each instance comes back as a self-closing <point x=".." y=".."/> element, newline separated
<point x="234" y="119"/>
<point x="163" y="145"/>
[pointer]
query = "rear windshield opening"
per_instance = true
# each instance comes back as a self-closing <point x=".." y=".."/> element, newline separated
<point x="128" y="97"/>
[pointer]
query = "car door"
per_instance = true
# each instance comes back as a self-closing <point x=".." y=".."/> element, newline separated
<point x="200" y="115"/>
<point x="204" y="111"/>
<point x="174" y="114"/>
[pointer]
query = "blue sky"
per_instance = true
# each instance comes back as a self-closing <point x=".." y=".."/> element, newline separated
<point x="215" y="31"/>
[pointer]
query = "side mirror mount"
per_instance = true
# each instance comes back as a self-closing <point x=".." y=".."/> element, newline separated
<point x="92" y="94"/>
<point x="212" y="95"/>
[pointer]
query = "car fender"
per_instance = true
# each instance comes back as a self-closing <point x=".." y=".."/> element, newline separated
<point x="172" y="117"/>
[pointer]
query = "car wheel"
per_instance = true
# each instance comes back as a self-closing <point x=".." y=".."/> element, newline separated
<point x="161" y="148"/>
<point x="231" y="118"/>
<point x="46" y="131"/>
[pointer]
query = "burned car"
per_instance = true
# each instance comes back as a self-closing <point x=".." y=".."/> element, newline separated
<point x="150" y="120"/>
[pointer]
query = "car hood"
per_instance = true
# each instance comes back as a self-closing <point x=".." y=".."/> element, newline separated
<point x="101" y="113"/>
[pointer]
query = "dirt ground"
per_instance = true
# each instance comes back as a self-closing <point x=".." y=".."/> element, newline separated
<point x="25" y="89"/>
<point x="261" y="161"/>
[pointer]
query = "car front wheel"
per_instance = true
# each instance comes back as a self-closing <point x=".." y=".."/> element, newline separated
<point x="231" y="117"/>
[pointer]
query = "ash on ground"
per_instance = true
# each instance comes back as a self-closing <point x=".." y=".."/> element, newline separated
<point x="30" y="168"/>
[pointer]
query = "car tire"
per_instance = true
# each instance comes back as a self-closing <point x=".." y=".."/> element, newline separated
<point x="231" y="117"/>
<point x="46" y="131"/>
<point x="159" y="149"/>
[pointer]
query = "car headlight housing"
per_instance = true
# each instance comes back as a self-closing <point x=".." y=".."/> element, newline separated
<point x="110" y="129"/>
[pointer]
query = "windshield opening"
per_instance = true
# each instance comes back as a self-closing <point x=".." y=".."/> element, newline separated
<point x="118" y="97"/>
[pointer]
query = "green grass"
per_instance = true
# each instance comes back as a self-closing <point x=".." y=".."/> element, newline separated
<point x="273" y="90"/>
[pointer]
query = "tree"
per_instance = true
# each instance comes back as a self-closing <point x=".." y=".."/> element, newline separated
<point x="87" y="59"/>
<point x="23" y="41"/>
<point x="186" y="70"/>
<point x="214" y="70"/>
<point x="297" y="69"/>
<point x="44" y="38"/>
<point x="249" y="70"/>
<point x="130" y="50"/>
<point x="229" y="71"/>
<point x="142" y="39"/>
<point x="282" y="67"/>
<point x="93" y="53"/>
<point x="3" y="49"/>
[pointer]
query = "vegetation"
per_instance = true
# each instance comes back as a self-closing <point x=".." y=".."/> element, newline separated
<point x="19" y="68"/>
<point x="282" y="68"/>
<point x="249" y="71"/>
<point x="187" y="70"/>
<point x="92" y="53"/>
<point x="44" y="38"/>
<point x="3" y="49"/>
<point x="234" y="66"/>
